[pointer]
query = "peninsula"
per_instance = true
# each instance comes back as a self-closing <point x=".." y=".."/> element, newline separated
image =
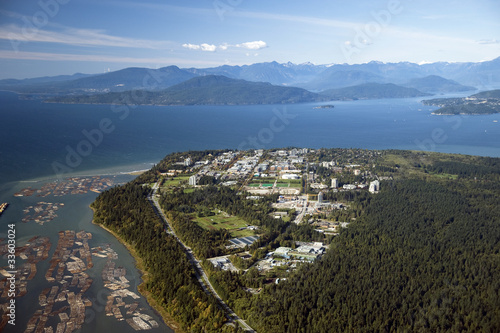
<point x="486" y="102"/>
<point x="274" y="240"/>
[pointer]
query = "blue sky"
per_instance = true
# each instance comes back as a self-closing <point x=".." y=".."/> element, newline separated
<point x="52" y="37"/>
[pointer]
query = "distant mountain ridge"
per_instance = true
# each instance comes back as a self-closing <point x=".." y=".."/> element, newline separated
<point x="372" y="91"/>
<point x="307" y="75"/>
<point x="435" y="83"/>
<point x="121" y="80"/>
<point x="203" y="90"/>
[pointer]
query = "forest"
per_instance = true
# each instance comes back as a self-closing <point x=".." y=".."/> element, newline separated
<point x="170" y="279"/>
<point x="422" y="255"/>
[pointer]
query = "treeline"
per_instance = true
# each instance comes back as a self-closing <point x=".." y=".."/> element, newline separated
<point x="423" y="258"/>
<point x="171" y="279"/>
<point x="489" y="167"/>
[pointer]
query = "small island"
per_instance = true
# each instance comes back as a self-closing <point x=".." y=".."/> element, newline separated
<point x="327" y="106"/>
<point x="486" y="102"/>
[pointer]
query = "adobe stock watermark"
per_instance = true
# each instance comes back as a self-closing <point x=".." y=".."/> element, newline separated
<point x="365" y="35"/>
<point x="277" y="124"/>
<point x="94" y="137"/>
<point x="224" y="6"/>
<point x="32" y="25"/>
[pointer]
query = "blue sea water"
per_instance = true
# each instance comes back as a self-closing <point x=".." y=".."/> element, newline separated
<point x="36" y="139"/>
<point x="40" y="142"/>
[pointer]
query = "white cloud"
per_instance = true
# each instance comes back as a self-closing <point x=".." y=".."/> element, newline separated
<point x="22" y="55"/>
<point x="489" y="41"/>
<point x="202" y="47"/>
<point x="191" y="46"/>
<point x="208" y="47"/>
<point x="256" y="45"/>
<point x="80" y="37"/>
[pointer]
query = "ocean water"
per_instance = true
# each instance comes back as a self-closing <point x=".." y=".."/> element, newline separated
<point x="36" y="139"/>
<point x="41" y="142"/>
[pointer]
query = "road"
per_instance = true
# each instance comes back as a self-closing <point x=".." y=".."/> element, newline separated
<point x="199" y="271"/>
<point x="302" y="213"/>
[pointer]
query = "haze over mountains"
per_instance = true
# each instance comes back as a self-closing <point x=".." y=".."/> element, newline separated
<point x="339" y="81"/>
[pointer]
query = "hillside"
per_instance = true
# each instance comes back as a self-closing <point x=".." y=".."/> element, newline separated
<point x="121" y="80"/>
<point x="333" y="79"/>
<point x="486" y="102"/>
<point x="372" y="91"/>
<point x="204" y="90"/>
<point x="437" y="84"/>
<point x="495" y="94"/>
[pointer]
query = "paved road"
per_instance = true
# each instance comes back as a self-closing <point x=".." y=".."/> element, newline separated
<point x="199" y="271"/>
<point x="302" y="213"/>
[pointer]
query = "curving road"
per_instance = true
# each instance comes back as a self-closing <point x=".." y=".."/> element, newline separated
<point x="199" y="271"/>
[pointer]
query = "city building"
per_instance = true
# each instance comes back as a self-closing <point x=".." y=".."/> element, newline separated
<point x="290" y="176"/>
<point x="374" y="186"/>
<point x="282" y="252"/>
<point x="193" y="180"/>
<point x="335" y="183"/>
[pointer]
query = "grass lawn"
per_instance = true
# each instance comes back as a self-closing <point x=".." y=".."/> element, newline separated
<point x="175" y="181"/>
<point x="220" y="221"/>
<point x="263" y="179"/>
<point x="289" y="183"/>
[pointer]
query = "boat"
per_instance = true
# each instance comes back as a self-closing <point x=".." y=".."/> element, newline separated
<point x="3" y="207"/>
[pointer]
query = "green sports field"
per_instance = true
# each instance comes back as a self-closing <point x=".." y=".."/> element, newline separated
<point x="221" y="221"/>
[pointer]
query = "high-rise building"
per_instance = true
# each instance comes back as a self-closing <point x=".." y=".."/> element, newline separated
<point x="192" y="180"/>
<point x="335" y="183"/>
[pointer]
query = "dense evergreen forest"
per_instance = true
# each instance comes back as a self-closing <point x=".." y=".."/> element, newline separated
<point x="423" y="255"/>
<point x="170" y="278"/>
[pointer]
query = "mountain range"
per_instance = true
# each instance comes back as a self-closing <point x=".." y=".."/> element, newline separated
<point x="325" y="80"/>
<point x="202" y="90"/>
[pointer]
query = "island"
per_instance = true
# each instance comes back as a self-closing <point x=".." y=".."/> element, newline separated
<point x="327" y="106"/>
<point x="486" y="102"/>
<point x="325" y="239"/>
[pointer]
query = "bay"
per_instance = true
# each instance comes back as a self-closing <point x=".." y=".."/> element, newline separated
<point x="41" y="142"/>
<point x="37" y="138"/>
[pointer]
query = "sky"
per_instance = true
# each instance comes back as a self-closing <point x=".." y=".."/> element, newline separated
<point x="54" y="37"/>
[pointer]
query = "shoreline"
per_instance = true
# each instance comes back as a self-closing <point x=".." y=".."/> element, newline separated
<point x="165" y="316"/>
<point x="118" y="170"/>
